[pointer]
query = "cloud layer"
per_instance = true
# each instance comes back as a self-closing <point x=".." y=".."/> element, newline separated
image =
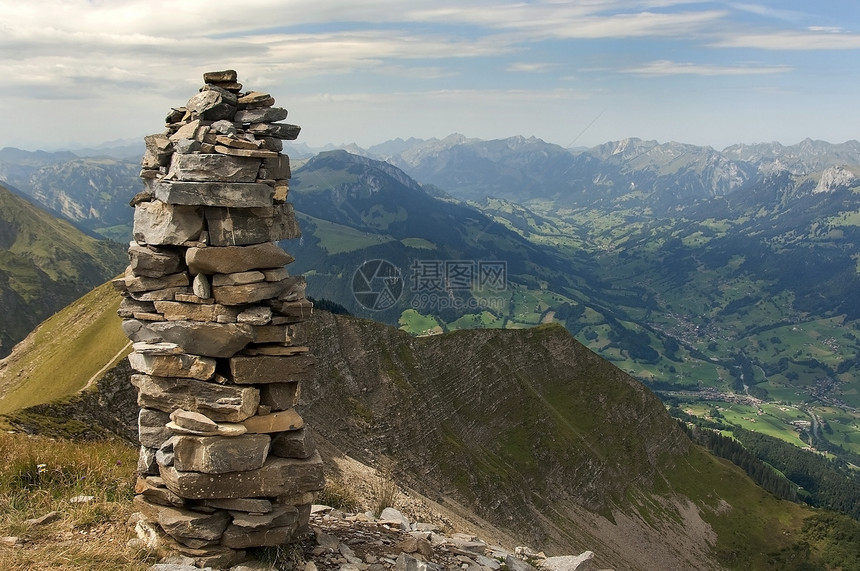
<point x="91" y="70"/>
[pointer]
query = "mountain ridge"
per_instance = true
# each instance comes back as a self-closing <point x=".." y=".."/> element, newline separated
<point x="45" y="263"/>
<point x="526" y="429"/>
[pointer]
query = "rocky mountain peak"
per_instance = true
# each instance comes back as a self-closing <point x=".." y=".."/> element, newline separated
<point x="834" y="178"/>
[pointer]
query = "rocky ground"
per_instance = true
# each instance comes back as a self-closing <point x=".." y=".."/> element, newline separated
<point x="359" y="542"/>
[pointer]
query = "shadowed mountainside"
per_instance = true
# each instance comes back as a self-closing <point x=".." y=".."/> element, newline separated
<point x="45" y="264"/>
<point x="525" y="429"/>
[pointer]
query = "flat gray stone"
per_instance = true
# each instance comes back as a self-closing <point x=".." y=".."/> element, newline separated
<point x="154" y="262"/>
<point x="221" y="403"/>
<point x="218" y="455"/>
<point x="249" y="293"/>
<point x="248" y="505"/>
<point x="260" y="115"/>
<point x="159" y="223"/>
<point x="207" y="339"/>
<point x="184" y="523"/>
<point x="283" y="131"/>
<point x="240" y="278"/>
<point x="225" y="194"/>
<point x="193" y="420"/>
<point x="294" y="311"/>
<point x="181" y="311"/>
<point x="136" y="284"/>
<point x="277" y="477"/>
<point x="184" y="365"/>
<point x="212" y="105"/>
<point x="243" y="226"/>
<point x="234" y="259"/>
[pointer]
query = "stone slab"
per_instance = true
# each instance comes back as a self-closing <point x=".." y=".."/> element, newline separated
<point x="217" y="455"/>
<point x="274" y="422"/>
<point x="225" y="429"/>
<point x="293" y="311"/>
<point x="203" y="338"/>
<point x="240" y="278"/>
<point x="221" y="403"/>
<point x="167" y="294"/>
<point x="248" y="505"/>
<point x="184" y="365"/>
<point x="214" y="312"/>
<point x="154" y="262"/>
<point x="128" y="307"/>
<point x="244" y="226"/>
<point x="184" y="523"/>
<point x="226" y="194"/>
<point x="221" y="76"/>
<point x="159" y="223"/>
<point x="249" y="293"/>
<point x="234" y="259"/>
<point x="263" y="369"/>
<point x="153" y="490"/>
<point x="272" y="334"/>
<point x="276" y="168"/>
<point x="283" y="131"/>
<point x="237" y="538"/>
<point x="277" y="477"/>
<point x="260" y="115"/>
<point x="213" y="168"/>
<point x="255" y="153"/>
<point x="139" y="284"/>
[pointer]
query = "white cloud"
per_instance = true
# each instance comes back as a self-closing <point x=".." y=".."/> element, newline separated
<point x="667" y="68"/>
<point x="528" y="67"/>
<point x="791" y="41"/>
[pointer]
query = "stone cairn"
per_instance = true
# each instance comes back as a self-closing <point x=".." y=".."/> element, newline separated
<point x="225" y="461"/>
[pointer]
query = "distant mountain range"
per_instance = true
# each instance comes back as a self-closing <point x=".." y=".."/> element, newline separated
<point x="705" y="273"/>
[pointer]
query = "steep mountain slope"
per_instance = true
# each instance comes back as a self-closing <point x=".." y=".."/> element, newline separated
<point x="45" y="263"/>
<point x="525" y="429"/>
<point x="359" y="209"/>
<point x="92" y="192"/>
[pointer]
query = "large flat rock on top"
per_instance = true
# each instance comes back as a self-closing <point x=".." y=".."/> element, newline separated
<point x="277" y="477"/>
<point x="234" y="259"/>
<point x="225" y="194"/>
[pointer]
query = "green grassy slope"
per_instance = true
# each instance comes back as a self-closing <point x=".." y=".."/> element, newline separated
<point x="45" y="264"/>
<point x="65" y="353"/>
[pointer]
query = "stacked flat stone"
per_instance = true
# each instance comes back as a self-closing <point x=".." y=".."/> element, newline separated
<point x="225" y="460"/>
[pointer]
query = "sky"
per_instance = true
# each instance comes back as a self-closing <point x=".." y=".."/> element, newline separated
<point x="575" y="73"/>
